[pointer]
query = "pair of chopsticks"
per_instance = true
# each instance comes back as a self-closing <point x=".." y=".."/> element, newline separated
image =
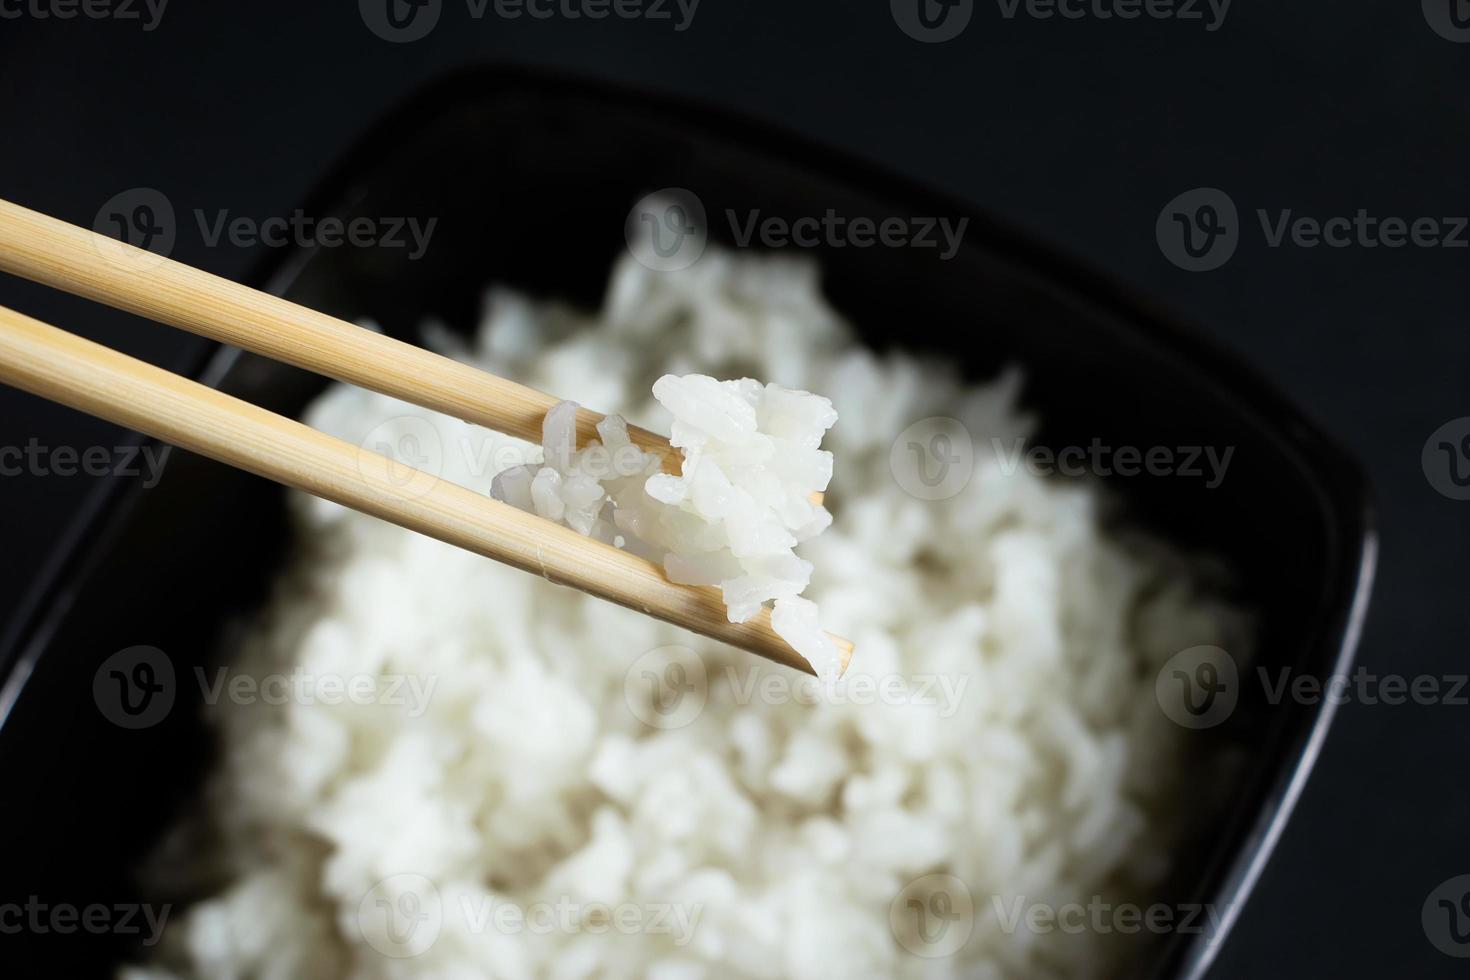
<point x="67" y="369"/>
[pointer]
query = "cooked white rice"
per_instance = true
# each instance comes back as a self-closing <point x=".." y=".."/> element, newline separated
<point x="731" y="517"/>
<point x="739" y="830"/>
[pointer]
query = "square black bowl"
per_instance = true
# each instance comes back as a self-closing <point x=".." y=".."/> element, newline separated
<point x="531" y="178"/>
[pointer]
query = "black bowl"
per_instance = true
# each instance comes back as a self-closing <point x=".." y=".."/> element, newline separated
<point x="531" y="179"/>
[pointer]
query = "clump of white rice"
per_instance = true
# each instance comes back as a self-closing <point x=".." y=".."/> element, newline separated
<point x="731" y="517"/>
<point x="739" y="829"/>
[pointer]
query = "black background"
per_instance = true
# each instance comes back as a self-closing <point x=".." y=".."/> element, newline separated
<point x="1078" y="131"/>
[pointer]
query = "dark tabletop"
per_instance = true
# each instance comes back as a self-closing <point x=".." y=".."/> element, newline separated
<point x="1078" y="130"/>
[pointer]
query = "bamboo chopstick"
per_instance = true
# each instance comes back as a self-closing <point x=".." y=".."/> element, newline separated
<point x="80" y="261"/>
<point x="64" y="368"/>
